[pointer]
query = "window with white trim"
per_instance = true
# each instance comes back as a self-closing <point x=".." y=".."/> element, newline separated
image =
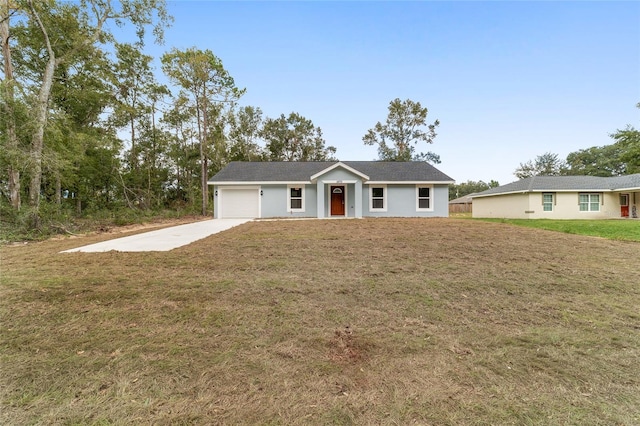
<point x="548" y="201"/>
<point x="589" y="202"/>
<point x="378" y="198"/>
<point x="295" y="199"/>
<point x="424" y="195"/>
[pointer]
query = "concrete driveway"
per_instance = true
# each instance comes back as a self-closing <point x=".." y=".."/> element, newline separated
<point x="163" y="239"/>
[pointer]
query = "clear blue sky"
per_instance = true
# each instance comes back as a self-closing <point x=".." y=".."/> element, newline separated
<point x="507" y="80"/>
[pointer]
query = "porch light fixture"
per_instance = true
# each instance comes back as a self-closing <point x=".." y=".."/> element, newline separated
<point x="261" y="192"/>
<point x="216" y="194"/>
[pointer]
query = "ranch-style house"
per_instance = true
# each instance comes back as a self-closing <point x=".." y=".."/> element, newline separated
<point x="562" y="197"/>
<point x="330" y="189"/>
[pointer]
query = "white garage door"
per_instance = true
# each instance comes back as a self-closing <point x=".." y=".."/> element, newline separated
<point x="239" y="203"/>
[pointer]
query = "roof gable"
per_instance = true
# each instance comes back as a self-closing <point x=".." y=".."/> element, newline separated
<point x="336" y="165"/>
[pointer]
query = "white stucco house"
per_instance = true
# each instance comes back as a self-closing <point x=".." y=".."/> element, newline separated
<point x="330" y="189"/>
<point x="562" y="197"/>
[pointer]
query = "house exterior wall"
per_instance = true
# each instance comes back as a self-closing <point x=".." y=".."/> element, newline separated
<point x="512" y="206"/>
<point x="441" y="200"/>
<point x="275" y="201"/>
<point x="566" y="206"/>
<point x="401" y="201"/>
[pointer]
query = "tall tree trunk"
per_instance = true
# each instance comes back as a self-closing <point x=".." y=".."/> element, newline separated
<point x="14" y="187"/>
<point x="37" y="141"/>
<point x="204" y="166"/>
<point x="58" y="196"/>
<point x="41" y="112"/>
<point x="152" y="188"/>
<point x="134" y="156"/>
<point x="42" y="106"/>
<point x="12" y="138"/>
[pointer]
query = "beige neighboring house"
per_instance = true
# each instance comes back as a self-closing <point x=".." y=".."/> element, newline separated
<point x="562" y="197"/>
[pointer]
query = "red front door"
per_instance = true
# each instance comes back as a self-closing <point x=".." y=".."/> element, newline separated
<point x="337" y="201"/>
<point x="624" y="205"/>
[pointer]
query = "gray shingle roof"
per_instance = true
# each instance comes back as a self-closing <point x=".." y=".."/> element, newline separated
<point x="398" y="171"/>
<point x="566" y="183"/>
<point x="466" y="199"/>
<point x="280" y="171"/>
<point x="295" y="171"/>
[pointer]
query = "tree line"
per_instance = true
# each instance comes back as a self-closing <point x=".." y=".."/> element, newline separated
<point x="85" y="122"/>
<point x="87" y="127"/>
<point x="619" y="158"/>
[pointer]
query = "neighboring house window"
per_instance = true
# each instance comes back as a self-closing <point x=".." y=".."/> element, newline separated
<point x="378" y="198"/>
<point x="295" y="199"/>
<point x="589" y="202"/>
<point x="424" y="195"/>
<point x="547" y="201"/>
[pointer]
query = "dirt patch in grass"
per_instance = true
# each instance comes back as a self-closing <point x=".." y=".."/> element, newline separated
<point x="346" y="347"/>
<point x="375" y="321"/>
<point x="136" y="227"/>
<point x="104" y="232"/>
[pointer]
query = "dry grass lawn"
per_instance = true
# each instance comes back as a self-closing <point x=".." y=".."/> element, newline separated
<point x="374" y="321"/>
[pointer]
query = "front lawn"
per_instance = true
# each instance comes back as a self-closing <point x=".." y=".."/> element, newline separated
<point x="613" y="229"/>
<point x="373" y="321"/>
